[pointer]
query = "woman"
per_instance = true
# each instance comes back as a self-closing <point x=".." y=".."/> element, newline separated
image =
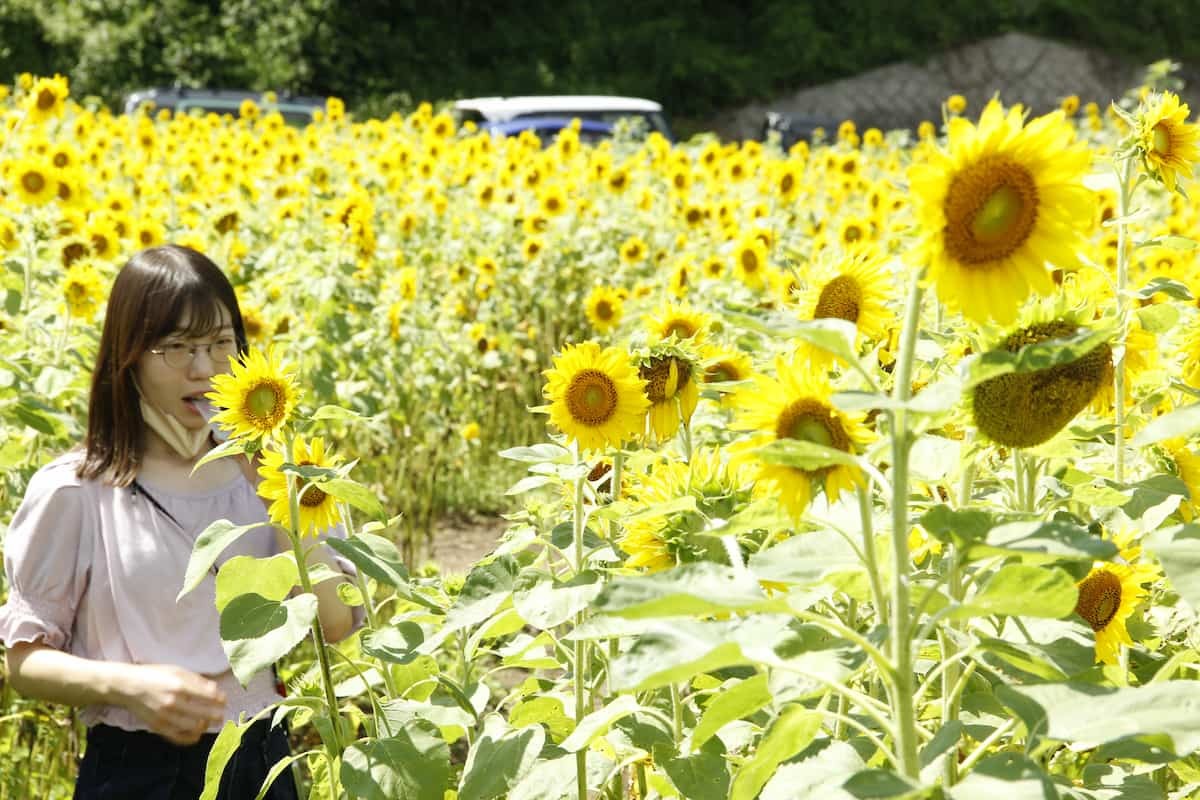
<point x="97" y="551"/>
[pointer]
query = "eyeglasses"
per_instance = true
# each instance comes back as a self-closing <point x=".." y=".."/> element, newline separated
<point x="182" y="354"/>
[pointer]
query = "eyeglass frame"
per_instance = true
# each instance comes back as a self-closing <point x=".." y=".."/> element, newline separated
<point x="194" y="349"/>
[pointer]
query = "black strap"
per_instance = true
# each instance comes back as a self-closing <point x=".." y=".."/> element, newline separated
<point x="136" y="488"/>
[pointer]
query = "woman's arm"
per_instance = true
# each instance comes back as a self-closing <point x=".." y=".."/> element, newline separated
<point x="175" y="703"/>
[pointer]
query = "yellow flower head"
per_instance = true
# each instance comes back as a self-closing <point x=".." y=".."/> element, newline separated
<point x="595" y="396"/>
<point x="1169" y="145"/>
<point x="680" y="321"/>
<point x="1001" y="201"/>
<point x="257" y="398"/>
<point x="47" y="98"/>
<point x="83" y="291"/>
<point x="604" y="308"/>
<point x="856" y="291"/>
<point x="318" y="510"/>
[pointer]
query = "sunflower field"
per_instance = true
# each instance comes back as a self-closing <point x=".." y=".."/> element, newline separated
<point x="864" y="469"/>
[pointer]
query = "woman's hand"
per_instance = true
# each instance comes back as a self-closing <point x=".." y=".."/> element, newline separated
<point x="176" y="703"/>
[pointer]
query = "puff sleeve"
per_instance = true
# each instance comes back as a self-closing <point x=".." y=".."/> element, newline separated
<point x="46" y="560"/>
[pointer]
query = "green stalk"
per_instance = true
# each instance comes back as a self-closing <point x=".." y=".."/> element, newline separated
<point x="903" y="709"/>
<point x="614" y="644"/>
<point x="1124" y="199"/>
<point x="580" y="677"/>
<point x="878" y="596"/>
<point x="364" y="589"/>
<point x="318" y="634"/>
<point x="956" y="590"/>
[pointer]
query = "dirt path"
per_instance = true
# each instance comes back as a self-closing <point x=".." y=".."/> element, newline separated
<point x="460" y="541"/>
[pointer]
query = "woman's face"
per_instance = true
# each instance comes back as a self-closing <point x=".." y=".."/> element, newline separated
<point x="175" y="389"/>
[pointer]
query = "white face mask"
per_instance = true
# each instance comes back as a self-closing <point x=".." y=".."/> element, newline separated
<point x="186" y="442"/>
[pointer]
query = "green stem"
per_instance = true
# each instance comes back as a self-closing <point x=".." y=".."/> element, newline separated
<point x="318" y="634"/>
<point x="580" y="677"/>
<point x="364" y="589"/>
<point x="1124" y="199"/>
<point x="1019" y="480"/>
<point x="950" y="654"/>
<point x="614" y="644"/>
<point x="903" y="708"/>
<point x="677" y="712"/>
<point x="878" y="596"/>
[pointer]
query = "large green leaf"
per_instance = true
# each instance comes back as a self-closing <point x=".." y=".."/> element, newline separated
<point x="1087" y="715"/>
<point x="500" y="757"/>
<point x="1042" y="542"/>
<point x="375" y="556"/>
<point x="218" y="757"/>
<point x="805" y="558"/>
<point x="804" y="455"/>
<point x="1023" y="590"/>
<point x="395" y="642"/>
<point x="598" y="722"/>
<point x="545" y="603"/>
<point x="1006" y="776"/>
<point x="1181" y="422"/>
<point x="414" y="765"/>
<point x="272" y="578"/>
<point x="703" y="775"/>
<point x="678" y="651"/>
<point x="209" y="545"/>
<point x="818" y="777"/>
<point x="555" y="779"/>
<point x="1178" y="549"/>
<point x="790" y="733"/>
<point x="354" y="493"/>
<point x="738" y="701"/>
<point x="451" y="720"/>
<point x="256" y="631"/>
<point x="542" y="710"/>
<point x="687" y="590"/>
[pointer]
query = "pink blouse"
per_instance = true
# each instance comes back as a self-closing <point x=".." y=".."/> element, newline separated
<point x="94" y="570"/>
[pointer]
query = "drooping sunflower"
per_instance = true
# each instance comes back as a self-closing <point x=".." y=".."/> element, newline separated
<point x="1025" y="409"/>
<point x="681" y="321"/>
<point x="1005" y="198"/>
<point x="318" y="510"/>
<point x="857" y="291"/>
<point x="1169" y="145"/>
<point x="662" y="541"/>
<point x="257" y="398"/>
<point x="670" y="376"/>
<point x="595" y="396"/>
<point x="604" y="308"/>
<point x="797" y="405"/>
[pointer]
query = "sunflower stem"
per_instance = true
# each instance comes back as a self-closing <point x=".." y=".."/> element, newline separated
<point x="878" y="596"/>
<point x="580" y="667"/>
<point x="335" y="747"/>
<point x="614" y="644"/>
<point x="364" y="589"/>
<point x="1124" y="199"/>
<point x="903" y="708"/>
<point x="951" y="691"/>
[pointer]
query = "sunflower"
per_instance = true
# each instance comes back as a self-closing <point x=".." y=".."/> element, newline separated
<point x="318" y="510"/>
<point x="750" y="261"/>
<point x="797" y="405"/>
<point x="1002" y="201"/>
<point x="1169" y="145"/>
<point x="856" y="291"/>
<point x="82" y="290"/>
<point x="670" y="376"/>
<point x="604" y="308"/>
<point x="256" y="398"/>
<point x="1187" y="465"/>
<point x="47" y="98"/>
<point x="1189" y="349"/>
<point x="1111" y="592"/>
<point x="661" y="541"/>
<point x="725" y="365"/>
<point x="680" y="321"/>
<point x="595" y="396"/>
<point x="1024" y="409"/>
<point x="634" y="250"/>
<point x="34" y="181"/>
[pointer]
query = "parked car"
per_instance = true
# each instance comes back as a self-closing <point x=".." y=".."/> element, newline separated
<point x="590" y="130"/>
<point x="794" y="127"/>
<point x="296" y="109"/>
<point x="596" y="108"/>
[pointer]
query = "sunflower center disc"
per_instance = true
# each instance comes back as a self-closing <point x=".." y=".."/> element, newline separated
<point x="991" y="208"/>
<point x="809" y="420"/>
<point x="314" y="496"/>
<point x="680" y="329"/>
<point x="1160" y="139"/>
<point x="1099" y="599"/>
<point x="749" y="261"/>
<point x="261" y="402"/>
<point x="840" y="298"/>
<point x="46" y="100"/>
<point x="591" y="397"/>
<point x="33" y="182"/>
<point x="657" y="375"/>
<point x="604" y="310"/>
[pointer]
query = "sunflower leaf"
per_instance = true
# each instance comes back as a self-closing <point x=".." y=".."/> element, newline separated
<point x="1172" y="288"/>
<point x="209" y="545"/>
<point x="355" y="494"/>
<point x="804" y="455"/>
<point x="336" y="413"/>
<point x="1181" y="422"/>
<point x="1178" y="550"/>
<point x="1023" y="590"/>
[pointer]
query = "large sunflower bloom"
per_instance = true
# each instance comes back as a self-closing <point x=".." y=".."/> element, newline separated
<point x="47" y="98"/>
<point x="595" y="396"/>
<point x="1001" y="202"/>
<point x="1169" y="145"/>
<point x="318" y="510"/>
<point x="256" y="398"/>
<point x="1110" y="593"/>
<point x="797" y="405"/>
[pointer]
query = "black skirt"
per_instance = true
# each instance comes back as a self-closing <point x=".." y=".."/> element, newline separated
<point x="120" y="764"/>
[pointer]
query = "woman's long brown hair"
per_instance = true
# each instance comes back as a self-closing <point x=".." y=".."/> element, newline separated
<point x="152" y="293"/>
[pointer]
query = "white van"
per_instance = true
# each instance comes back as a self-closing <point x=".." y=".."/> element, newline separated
<point x="487" y="111"/>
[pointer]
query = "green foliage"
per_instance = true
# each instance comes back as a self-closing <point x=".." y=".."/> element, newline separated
<point x="694" y="56"/>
